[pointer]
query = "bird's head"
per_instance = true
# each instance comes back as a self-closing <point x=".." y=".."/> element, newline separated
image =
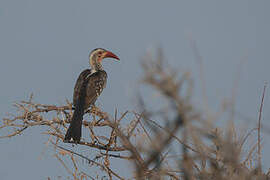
<point x="97" y="55"/>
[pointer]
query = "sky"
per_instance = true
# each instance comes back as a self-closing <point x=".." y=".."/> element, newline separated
<point x="44" y="45"/>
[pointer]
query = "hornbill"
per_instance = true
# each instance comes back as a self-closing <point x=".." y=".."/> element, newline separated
<point x="88" y="87"/>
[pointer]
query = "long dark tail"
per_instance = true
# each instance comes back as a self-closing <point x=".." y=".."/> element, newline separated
<point x="74" y="131"/>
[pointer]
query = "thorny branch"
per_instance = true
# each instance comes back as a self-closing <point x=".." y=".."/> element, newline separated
<point x="173" y="142"/>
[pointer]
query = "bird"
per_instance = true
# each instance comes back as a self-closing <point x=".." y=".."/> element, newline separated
<point x="88" y="88"/>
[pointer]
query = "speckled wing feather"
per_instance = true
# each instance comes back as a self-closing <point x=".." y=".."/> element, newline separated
<point x="79" y="83"/>
<point x="96" y="83"/>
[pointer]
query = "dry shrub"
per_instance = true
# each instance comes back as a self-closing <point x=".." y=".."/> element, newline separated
<point x="174" y="141"/>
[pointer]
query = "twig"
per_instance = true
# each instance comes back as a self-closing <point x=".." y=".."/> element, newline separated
<point x="89" y="160"/>
<point x="259" y="131"/>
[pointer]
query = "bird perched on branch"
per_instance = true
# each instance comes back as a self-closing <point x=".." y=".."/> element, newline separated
<point x="88" y="87"/>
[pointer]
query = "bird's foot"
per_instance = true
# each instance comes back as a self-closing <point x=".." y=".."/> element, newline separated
<point x="95" y="110"/>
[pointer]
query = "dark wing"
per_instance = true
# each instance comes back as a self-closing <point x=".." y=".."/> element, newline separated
<point x="79" y="83"/>
<point x="87" y="88"/>
<point x="96" y="83"/>
<point x="79" y="95"/>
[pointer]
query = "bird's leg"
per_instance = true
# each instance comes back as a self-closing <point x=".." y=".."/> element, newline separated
<point x="95" y="110"/>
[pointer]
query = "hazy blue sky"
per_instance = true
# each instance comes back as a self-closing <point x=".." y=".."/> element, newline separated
<point x="44" y="45"/>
